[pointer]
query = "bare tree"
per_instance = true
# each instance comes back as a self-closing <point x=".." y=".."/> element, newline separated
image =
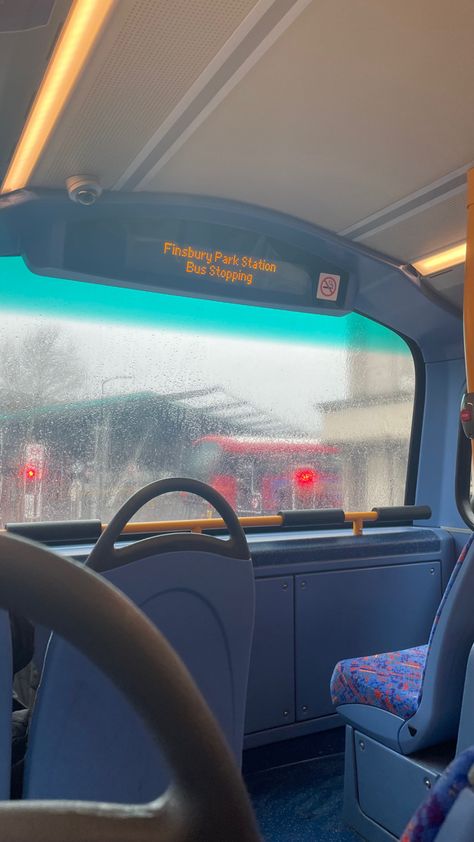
<point x="42" y="368"/>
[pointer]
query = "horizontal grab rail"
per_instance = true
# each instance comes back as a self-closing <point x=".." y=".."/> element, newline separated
<point x="90" y="530"/>
<point x="197" y="524"/>
<point x="306" y="517"/>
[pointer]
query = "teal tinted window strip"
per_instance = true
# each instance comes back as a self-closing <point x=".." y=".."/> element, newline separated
<point x="22" y="291"/>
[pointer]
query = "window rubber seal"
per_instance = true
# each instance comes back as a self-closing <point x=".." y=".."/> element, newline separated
<point x="463" y="478"/>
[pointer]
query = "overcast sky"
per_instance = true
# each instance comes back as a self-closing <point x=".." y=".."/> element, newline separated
<point x="286" y="379"/>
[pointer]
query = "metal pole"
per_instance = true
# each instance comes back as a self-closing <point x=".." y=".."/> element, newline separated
<point x="105" y="439"/>
<point x="468" y="308"/>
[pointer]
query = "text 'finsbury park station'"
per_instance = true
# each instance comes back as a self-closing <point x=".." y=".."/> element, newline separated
<point x="232" y="268"/>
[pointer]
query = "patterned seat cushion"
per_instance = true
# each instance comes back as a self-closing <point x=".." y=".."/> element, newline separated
<point x="391" y="681"/>
<point x="431" y="814"/>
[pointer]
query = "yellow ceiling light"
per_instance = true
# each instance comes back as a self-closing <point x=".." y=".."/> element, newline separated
<point x="441" y="260"/>
<point x="79" y="34"/>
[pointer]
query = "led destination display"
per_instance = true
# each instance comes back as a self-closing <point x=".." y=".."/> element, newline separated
<point x="230" y="267"/>
<point x="195" y="257"/>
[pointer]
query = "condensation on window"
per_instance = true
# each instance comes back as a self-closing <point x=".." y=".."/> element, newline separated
<point x="94" y="409"/>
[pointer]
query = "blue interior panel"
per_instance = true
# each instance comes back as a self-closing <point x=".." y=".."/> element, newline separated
<point x="390" y="786"/>
<point x="363" y="594"/>
<point x="445" y="384"/>
<point x="350" y="613"/>
<point x="271" y="695"/>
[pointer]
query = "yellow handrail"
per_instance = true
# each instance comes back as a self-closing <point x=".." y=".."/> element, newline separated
<point x="196" y="525"/>
<point x="200" y="524"/>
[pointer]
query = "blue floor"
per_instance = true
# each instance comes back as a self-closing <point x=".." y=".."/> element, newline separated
<point x="301" y="802"/>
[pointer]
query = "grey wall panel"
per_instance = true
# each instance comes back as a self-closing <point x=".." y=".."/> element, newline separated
<point x="390" y="786"/>
<point x="270" y="698"/>
<point x="348" y="613"/>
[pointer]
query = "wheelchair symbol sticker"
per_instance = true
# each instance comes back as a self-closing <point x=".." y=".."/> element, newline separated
<point x="328" y="287"/>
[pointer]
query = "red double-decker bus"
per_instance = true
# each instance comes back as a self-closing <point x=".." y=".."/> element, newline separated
<point x="263" y="475"/>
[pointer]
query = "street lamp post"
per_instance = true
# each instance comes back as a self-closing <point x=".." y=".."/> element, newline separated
<point x="104" y="440"/>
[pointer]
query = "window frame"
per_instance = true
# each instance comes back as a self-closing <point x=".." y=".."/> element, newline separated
<point x="416" y="422"/>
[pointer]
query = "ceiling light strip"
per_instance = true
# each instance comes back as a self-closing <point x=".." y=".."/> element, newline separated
<point x="441" y="260"/>
<point x="260" y="29"/>
<point x="82" y="27"/>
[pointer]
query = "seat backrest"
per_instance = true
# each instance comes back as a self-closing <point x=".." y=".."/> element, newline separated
<point x="452" y="579"/>
<point x="451" y="638"/>
<point x="85" y="741"/>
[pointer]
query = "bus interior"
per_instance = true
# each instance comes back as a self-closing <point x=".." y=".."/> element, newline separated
<point x="237" y="399"/>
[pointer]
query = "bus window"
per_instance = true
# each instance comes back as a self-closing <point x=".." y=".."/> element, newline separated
<point x="105" y="389"/>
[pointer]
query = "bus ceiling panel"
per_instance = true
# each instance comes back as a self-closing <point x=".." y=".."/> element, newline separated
<point x="208" y="248"/>
<point x="352" y="109"/>
<point x="21" y="15"/>
<point x="273" y="102"/>
<point x="28" y="31"/>
<point x="153" y="64"/>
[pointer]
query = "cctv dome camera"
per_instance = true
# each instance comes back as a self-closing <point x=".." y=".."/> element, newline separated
<point x="83" y="189"/>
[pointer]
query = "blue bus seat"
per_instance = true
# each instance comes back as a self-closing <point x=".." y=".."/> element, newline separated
<point x="85" y="741"/>
<point x="447" y="814"/>
<point x="411" y="699"/>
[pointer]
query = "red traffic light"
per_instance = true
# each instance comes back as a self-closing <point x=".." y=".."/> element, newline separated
<point x="30" y="472"/>
<point x="305" y="478"/>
